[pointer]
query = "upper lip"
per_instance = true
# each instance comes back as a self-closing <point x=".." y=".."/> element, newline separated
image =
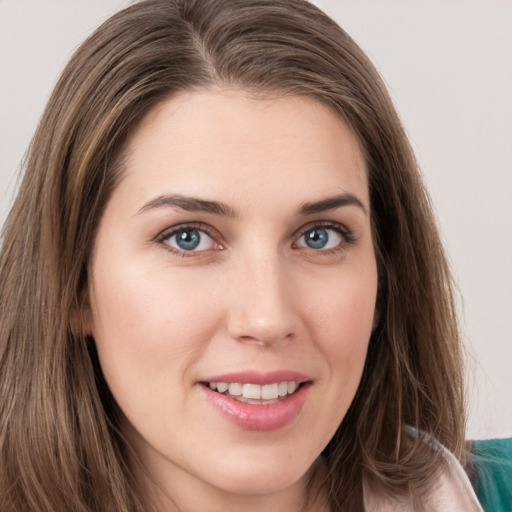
<point x="256" y="377"/>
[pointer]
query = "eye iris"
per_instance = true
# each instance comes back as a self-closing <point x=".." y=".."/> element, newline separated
<point x="188" y="239"/>
<point x="317" y="238"/>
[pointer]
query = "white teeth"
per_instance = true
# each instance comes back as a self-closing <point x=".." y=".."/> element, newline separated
<point x="249" y="391"/>
<point x="222" y="387"/>
<point x="282" y="388"/>
<point x="235" y="388"/>
<point x="292" y="386"/>
<point x="270" y="391"/>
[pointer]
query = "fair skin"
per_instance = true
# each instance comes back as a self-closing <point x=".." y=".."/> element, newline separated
<point x="273" y="285"/>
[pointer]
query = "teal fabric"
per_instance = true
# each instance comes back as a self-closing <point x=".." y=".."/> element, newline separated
<point x="492" y="474"/>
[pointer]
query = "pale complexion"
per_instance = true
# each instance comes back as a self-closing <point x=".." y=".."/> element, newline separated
<point x="266" y="276"/>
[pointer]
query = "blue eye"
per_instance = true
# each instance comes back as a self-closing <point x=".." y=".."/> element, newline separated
<point x="320" y="237"/>
<point x="189" y="239"/>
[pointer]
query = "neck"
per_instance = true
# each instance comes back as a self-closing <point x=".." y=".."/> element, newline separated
<point x="193" y="495"/>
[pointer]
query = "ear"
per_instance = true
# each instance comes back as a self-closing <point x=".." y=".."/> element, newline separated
<point x="80" y="315"/>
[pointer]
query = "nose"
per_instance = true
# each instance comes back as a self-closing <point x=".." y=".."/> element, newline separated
<point x="261" y="307"/>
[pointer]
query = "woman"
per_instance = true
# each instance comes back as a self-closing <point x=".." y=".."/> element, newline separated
<point x="222" y="285"/>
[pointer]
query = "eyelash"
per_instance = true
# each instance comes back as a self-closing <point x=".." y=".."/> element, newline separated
<point x="204" y="228"/>
<point x="346" y="235"/>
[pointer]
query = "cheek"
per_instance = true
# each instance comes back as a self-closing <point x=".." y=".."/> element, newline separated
<point x="344" y="312"/>
<point x="146" y="307"/>
<point x="342" y="318"/>
<point x="146" y="338"/>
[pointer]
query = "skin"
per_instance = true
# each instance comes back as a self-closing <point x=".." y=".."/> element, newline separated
<point x="252" y="296"/>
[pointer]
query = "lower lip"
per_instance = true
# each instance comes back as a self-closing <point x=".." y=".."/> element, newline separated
<point x="259" y="417"/>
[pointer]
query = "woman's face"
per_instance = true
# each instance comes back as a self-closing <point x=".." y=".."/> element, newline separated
<point x="236" y="252"/>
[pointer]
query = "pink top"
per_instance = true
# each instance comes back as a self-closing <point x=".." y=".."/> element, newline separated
<point x="451" y="492"/>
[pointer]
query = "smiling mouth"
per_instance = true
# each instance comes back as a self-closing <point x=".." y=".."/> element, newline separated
<point x="255" y="394"/>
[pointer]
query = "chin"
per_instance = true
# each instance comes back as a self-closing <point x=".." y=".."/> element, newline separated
<point x="261" y="476"/>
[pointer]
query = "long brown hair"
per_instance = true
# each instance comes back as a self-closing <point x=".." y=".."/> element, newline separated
<point x="60" y="446"/>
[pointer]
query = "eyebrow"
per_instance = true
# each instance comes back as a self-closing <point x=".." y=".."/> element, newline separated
<point x="189" y="204"/>
<point x="331" y="203"/>
<point x="193" y="204"/>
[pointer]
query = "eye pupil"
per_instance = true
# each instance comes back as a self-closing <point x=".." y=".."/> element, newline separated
<point x="316" y="238"/>
<point x="188" y="239"/>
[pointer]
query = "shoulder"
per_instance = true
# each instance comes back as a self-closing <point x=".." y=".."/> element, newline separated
<point x="451" y="490"/>
<point x="492" y="473"/>
<point x="488" y="489"/>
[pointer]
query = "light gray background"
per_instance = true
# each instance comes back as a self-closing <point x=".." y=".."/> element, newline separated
<point x="448" y="65"/>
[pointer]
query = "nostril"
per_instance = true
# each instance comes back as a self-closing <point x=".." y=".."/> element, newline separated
<point x="265" y="339"/>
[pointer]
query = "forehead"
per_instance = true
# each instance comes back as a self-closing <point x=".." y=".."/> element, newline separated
<point x="243" y="148"/>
